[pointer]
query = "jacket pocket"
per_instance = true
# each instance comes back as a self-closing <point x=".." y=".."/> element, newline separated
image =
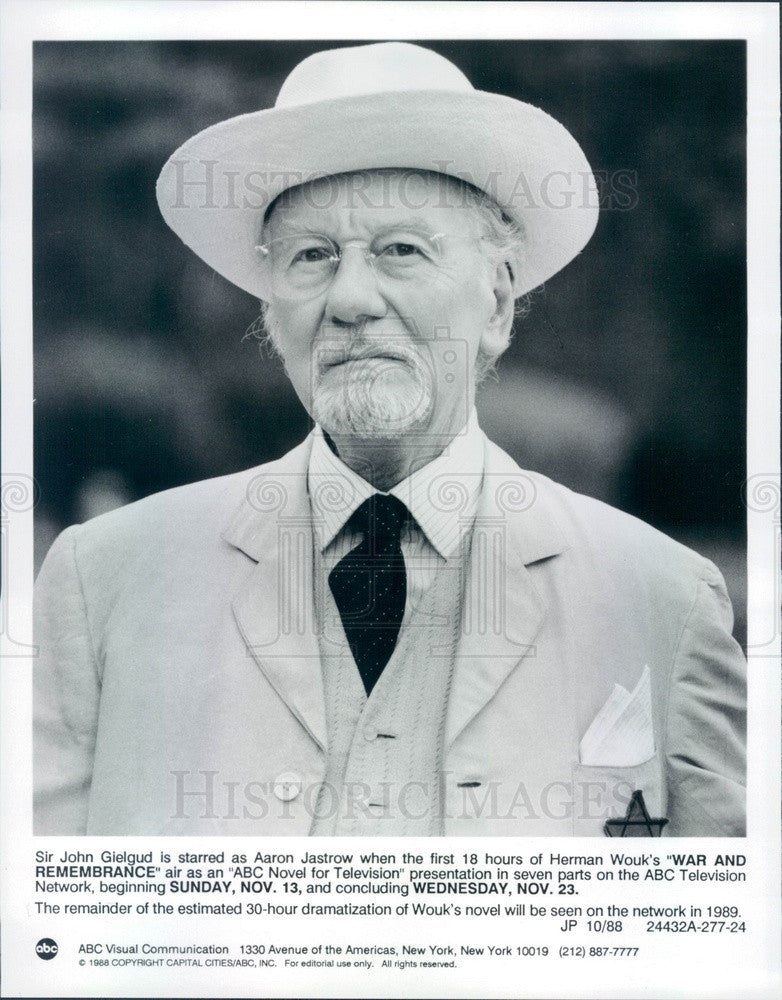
<point x="601" y="793"/>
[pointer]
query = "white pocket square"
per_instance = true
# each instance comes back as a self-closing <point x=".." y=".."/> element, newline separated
<point x="621" y="734"/>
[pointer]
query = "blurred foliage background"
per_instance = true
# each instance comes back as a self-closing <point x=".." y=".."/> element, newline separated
<point x="625" y="380"/>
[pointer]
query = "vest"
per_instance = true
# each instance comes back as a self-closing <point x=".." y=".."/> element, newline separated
<point x="385" y="753"/>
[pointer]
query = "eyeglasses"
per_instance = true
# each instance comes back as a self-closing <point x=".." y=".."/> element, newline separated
<point x="303" y="265"/>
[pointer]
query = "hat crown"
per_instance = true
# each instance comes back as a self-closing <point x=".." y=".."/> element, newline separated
<point x="369" y="69"/>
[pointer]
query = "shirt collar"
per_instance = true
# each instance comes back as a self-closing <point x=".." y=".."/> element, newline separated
<point x="442" y="496"/>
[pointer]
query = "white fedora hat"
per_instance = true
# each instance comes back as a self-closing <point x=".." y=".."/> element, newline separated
<point x="391" y="104"/>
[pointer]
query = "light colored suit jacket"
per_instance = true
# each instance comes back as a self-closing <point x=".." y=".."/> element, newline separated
<point x="179" y="688"/>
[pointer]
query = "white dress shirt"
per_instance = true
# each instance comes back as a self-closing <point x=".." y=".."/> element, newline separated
<point x="442" y="498"/>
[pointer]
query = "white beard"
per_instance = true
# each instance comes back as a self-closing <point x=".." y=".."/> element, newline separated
<point x="376" y="398"/>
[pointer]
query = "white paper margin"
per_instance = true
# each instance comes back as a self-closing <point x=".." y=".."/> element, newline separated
<point x="23" y="22"/>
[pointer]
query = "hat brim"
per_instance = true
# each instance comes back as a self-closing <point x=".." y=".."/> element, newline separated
<point x="214" y="190"/>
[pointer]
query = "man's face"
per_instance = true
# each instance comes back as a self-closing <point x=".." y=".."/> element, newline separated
<point x="383" y="347"/>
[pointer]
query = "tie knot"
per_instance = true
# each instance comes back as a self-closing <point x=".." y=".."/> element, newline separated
<point x="381" y="517"/>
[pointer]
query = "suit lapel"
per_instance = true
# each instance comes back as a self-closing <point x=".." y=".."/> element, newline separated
<point x="503" y="610"/>
<point x="274" y="607"/>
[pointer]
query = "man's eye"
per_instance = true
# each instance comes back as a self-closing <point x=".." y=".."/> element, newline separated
<point x="400" y="250"/>
<point x="311" y="255"/>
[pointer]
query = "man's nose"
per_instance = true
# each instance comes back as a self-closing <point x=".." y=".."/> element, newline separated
<point x="354" y="293"/>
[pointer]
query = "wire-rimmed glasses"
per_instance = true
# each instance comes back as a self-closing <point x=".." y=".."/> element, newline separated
<point x="303" y="265"/>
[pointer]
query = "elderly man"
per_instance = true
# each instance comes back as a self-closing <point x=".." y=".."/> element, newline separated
<point x="392" y="629"/>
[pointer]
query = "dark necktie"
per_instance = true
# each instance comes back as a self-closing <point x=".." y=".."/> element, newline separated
<point x="370" y="585"/>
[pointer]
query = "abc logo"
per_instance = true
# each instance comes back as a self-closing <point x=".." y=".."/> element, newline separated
<point x="46" y="948"/>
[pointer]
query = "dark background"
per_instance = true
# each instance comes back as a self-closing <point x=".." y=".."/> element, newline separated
<point x="625" y="380"/>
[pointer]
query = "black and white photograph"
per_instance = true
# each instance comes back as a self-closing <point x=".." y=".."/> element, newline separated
<point x="390" y="499"/>
<point x="400" y="537"/>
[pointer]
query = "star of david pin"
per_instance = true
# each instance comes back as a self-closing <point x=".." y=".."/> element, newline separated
<point x="637" y="821"/>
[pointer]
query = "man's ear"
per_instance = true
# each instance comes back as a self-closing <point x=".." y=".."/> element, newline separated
<point x="496" y="335"/>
